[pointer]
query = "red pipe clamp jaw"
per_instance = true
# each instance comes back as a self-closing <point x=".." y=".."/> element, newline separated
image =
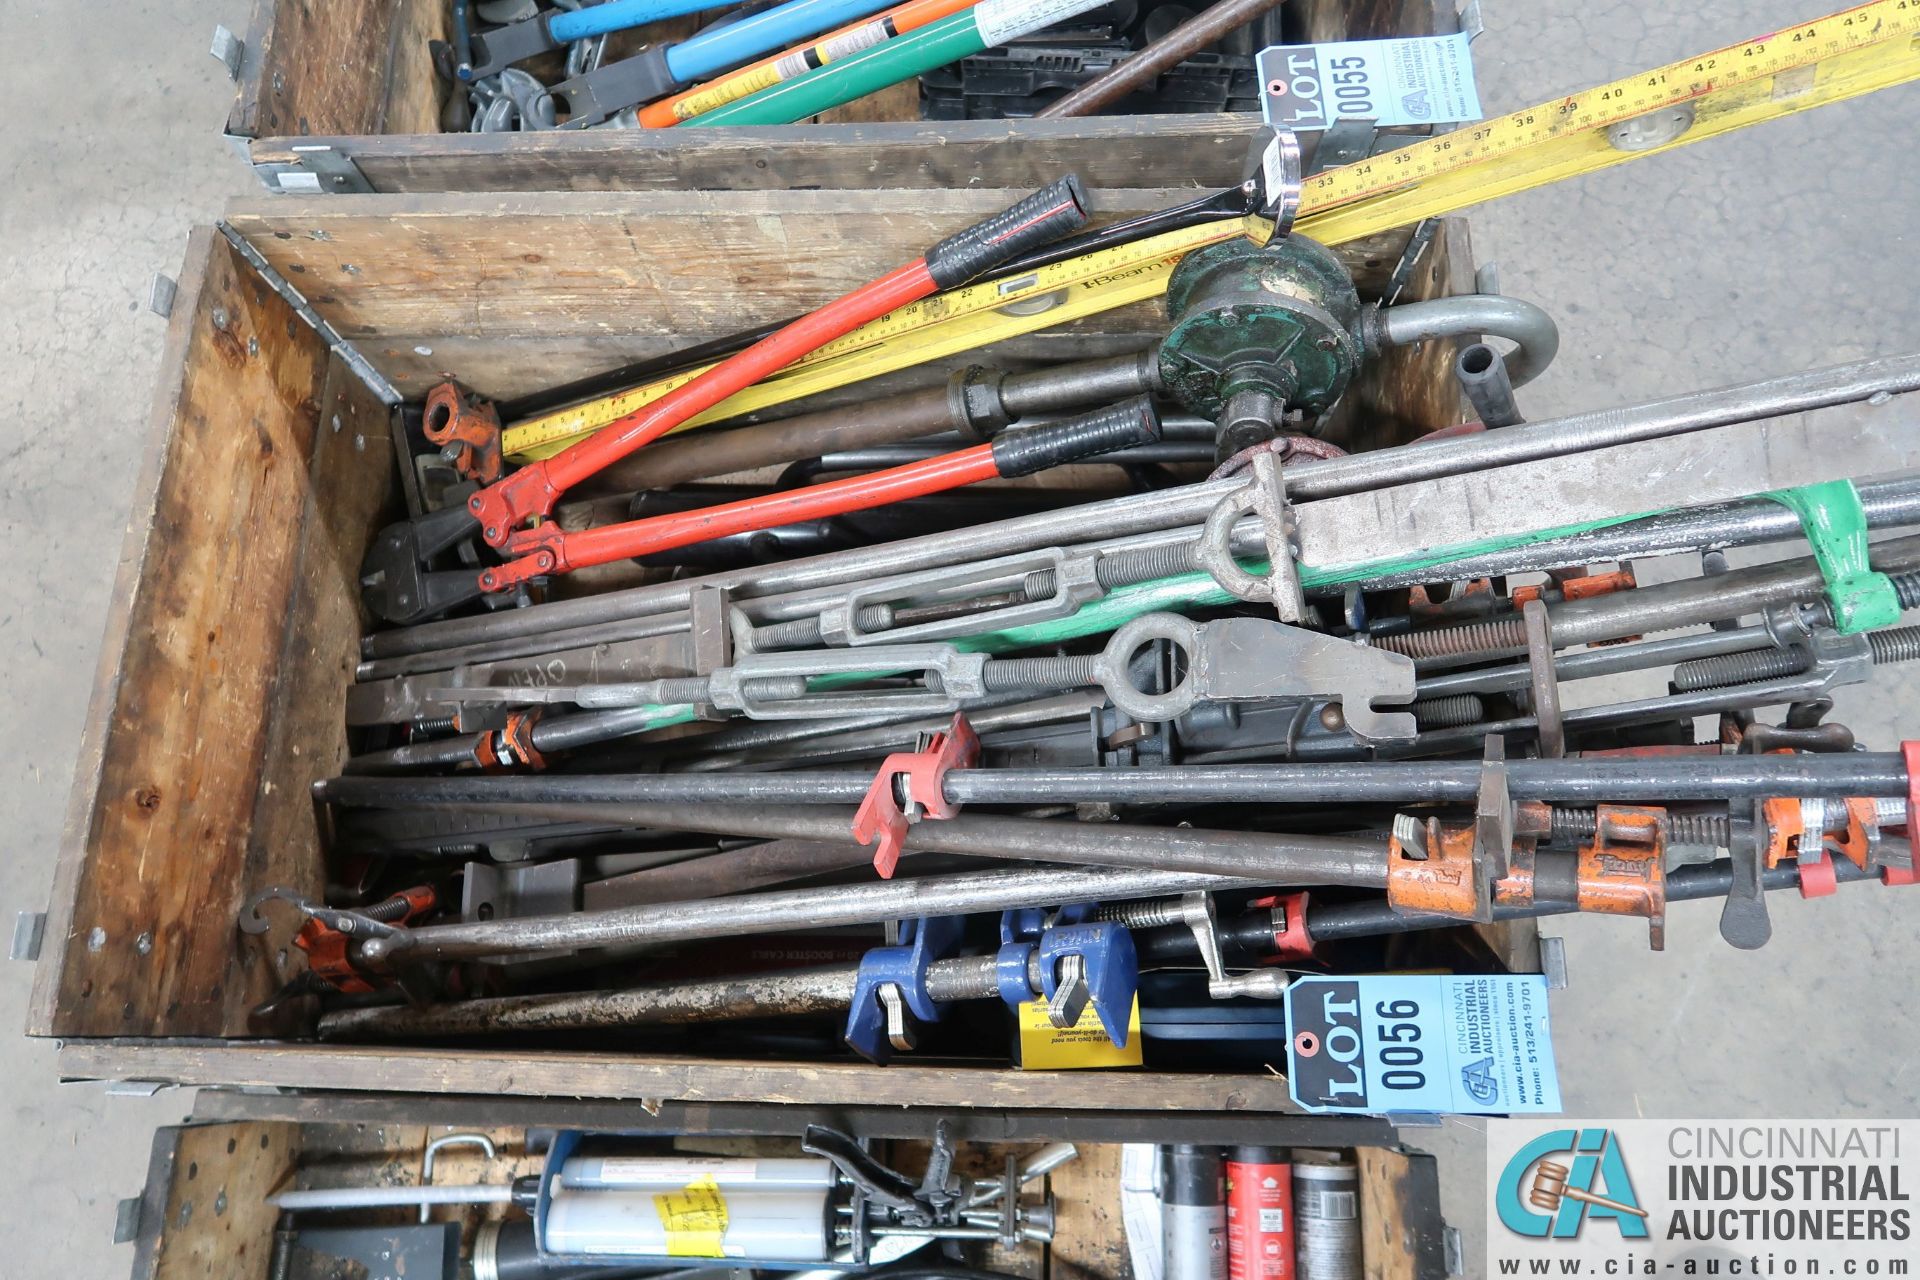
<point x="880" y="816"/>
<point x="511" y="747"/>
<point x="1291" y="941"/>
<point x="467" y="429"/>
<point x="1910" y="755"/>
<point x="328" y="949"/>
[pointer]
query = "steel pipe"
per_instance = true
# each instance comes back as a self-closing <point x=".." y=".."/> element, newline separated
<point x="1535" y="337"/>
<point x="1272" y="859"/>
<point x="869" y="903"/>
<point x="682" y="801"/>
<point x="1482" y="374"/>
<point x="318" y="1198"/>
<point x="1190" y="504"/>
<point x="779" y="993"/>
<point x="715" y="875"/>
<point x="750" y="750"/>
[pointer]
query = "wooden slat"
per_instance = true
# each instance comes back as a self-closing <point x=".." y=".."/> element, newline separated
<point x="1384" y="1246"/>
<point x="1089" y="1238"/>
<point x="592" y="1075"/>
<point x="1401" y="1231"/>
<point x="1183" y="151"/>
<point x="157" y="839"/>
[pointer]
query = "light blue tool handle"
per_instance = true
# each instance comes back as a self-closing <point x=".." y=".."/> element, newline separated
<point x="724" y="47"/>
<point x="618" y="15"/>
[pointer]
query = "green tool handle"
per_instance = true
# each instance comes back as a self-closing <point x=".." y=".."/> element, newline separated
<point x="900" y="58"/>
<point x="870" y="70"/>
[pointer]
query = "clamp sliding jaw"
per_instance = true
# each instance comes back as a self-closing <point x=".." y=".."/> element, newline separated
<point x="1072" y="961"/>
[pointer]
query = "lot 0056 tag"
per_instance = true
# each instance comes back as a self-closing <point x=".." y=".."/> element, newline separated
<point x="1426" y="1044"/>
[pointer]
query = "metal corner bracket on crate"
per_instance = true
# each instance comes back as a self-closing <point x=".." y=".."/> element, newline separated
<point x="362" y="368"/>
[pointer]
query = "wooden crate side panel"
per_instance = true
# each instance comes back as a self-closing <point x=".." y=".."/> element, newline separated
<point x="415" y="92"/>
<point x="1193" y="152"/>
<point x="348" y="498"/>
<point x="217" y="1220"/>
<point x="148" y="947"/>
<point x="528" y="291"/>
<point x="561" y="265"/>
<point x="320" y="67"/>
<point x="553" y="1073"/>
<point x="181" y="327"/>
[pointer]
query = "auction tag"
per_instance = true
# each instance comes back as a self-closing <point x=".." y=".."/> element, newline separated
<point x="1437" y="1044"/>
<point x="1411" y="80"/>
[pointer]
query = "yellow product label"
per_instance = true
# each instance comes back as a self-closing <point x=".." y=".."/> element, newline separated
<point x="695" y="1218"/>
<point x="1045" y="1047"/>
<point x="731" y="89"/>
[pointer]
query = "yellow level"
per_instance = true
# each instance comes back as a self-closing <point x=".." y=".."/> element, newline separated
<point x="1853" y="52"/>
<point x="1871" y="46"/>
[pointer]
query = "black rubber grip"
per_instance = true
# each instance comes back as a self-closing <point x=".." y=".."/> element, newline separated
<point x="1041" y="218"/>
<point x="1022" y="451"/>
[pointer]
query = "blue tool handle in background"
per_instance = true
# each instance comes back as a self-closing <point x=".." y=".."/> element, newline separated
<point x="618" y="15"/>
<point x="727" y="46"/>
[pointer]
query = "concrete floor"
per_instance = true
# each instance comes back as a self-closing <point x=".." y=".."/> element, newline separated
<point x="1776" y="249"/>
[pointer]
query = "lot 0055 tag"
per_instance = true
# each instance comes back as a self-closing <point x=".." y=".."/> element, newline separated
<point x="1412" y="80"/>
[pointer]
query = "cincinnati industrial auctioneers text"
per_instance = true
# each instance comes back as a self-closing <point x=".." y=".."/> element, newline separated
<point x="1777" y="1183"/>
<point x="1702" y="1197"/>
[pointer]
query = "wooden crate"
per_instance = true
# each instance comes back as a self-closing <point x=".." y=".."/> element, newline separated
<point x="236" y="619"/>
<point x="203" y="1209"/>
<point x="339" y="96"/>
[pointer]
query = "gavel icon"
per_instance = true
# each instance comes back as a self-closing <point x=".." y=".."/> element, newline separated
<point x="1550" y="1188"/>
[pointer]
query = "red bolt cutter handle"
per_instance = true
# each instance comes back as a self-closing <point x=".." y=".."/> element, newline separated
<point x="532" y="491"/>
<point x="549" y="549"/>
